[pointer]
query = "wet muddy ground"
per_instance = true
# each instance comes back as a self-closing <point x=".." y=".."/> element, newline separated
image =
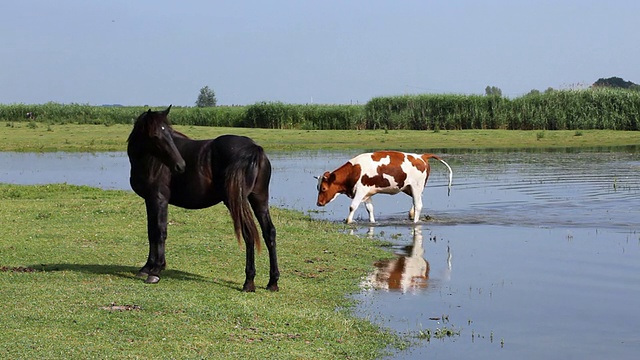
<point x="534" y="255"/>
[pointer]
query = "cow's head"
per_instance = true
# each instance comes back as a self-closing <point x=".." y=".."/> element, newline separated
<point x="327" y="188"/>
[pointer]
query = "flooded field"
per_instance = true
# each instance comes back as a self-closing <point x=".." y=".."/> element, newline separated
<point x="534" y="255"/>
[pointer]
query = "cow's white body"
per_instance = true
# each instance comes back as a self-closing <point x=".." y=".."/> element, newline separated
<point x="386" y="172"/>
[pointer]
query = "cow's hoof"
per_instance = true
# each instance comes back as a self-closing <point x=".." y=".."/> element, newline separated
<point x="152" y="279"/>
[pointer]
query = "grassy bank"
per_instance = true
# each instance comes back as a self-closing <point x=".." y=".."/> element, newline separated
<point x="39" y="137"/>
<point x="68" y="256"/>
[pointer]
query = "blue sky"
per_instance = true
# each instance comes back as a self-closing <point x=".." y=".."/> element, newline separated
<point x="156" y="52"/>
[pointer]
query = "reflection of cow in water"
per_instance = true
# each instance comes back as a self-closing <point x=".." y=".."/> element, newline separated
<point x="404" y="272"/>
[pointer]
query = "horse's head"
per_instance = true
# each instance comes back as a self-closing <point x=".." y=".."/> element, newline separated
<point x="153" y="133"/>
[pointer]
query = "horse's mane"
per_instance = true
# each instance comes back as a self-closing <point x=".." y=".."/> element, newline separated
<point x="179" y="134"/>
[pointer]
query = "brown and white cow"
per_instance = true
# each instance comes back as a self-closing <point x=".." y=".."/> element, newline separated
<point x="386" y="172"/>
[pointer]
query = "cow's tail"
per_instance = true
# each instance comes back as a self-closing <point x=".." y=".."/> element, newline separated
<point x="429" y="156"/>
<point x="240" y="180"/>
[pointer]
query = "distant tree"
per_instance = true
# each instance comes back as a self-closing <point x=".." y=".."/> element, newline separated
<point x="616" y="82"/>
<point x="493" y="91"/>
<point x="612" y="82"/>
<point x="207" y="98"/>
<point x="533" y="92"/>
<point x="549" y="90"/>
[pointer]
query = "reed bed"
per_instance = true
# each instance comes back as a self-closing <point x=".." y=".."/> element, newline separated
<point x="597" y="108"/>
<point x="310" y="117"/>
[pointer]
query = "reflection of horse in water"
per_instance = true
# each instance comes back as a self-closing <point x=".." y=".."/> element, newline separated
<point x="404" y="272"/>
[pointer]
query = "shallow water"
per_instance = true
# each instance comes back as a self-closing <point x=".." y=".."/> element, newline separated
<point x="534" y="255"/>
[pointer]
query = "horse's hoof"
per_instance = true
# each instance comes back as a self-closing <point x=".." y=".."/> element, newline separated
<point x="273" y="288"/>
<point x="152" y="279"/>
<point x="142" y="275"/>
<point x="249" y="287"/>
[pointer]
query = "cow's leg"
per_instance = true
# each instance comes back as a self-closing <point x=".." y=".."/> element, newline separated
<point x="412" y="211"/>
<point x="417" y="206"/>
<point x="157" y="209"/>
<point x="357" y="199"/>
<point x="369" y="205"/>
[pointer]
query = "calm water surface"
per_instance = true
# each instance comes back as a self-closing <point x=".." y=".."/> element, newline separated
<point x="534" y="255"/>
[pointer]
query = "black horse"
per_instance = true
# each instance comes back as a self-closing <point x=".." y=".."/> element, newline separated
<point x="169" y="168"/>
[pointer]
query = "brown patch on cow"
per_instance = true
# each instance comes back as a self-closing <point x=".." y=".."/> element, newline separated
<point x="392" y="169"/>
<point x="340" y="181"/>
<point x="418" y="163"/>
<point x="379" y="155"/>
<point x="426" y="158"/>
<point x="350" y="182"/>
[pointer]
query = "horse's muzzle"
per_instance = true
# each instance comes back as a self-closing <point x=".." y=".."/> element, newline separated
<point x="180" y="167"/>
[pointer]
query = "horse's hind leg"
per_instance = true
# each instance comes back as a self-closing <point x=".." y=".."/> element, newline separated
<point x="250" y="263"/>
<point x="260" y="207"/>
<point x="261" y="210"/>
<point x="157" y="231"/>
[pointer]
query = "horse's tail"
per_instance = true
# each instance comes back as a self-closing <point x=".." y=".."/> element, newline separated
<point x="429" y="156"/>
<point x="240" y="180"/>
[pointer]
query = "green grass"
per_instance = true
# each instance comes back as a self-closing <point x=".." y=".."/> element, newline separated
<point x="79" y="297"/>
<point x="96" y="138"/>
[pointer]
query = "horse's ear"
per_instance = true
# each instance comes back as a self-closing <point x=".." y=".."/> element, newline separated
<point x="149" y="111"/>
<point x="167" y="111"/>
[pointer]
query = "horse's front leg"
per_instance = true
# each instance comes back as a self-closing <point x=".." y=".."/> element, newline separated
<point x="157" y="209"/>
